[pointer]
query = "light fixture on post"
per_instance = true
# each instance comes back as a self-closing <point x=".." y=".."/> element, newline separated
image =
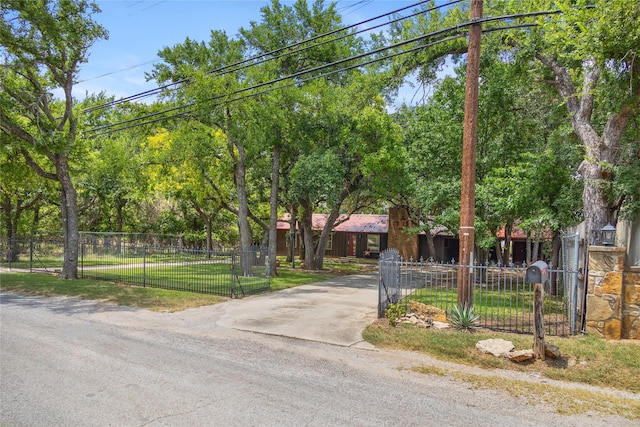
<point x="608" y="236"/>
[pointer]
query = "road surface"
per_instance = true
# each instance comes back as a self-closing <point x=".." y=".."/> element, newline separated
<point x="68" y="362"/>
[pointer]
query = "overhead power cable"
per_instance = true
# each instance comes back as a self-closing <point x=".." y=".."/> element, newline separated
<point x="264" y="57"/>
<point x="294" y="75"/>
<point x="106" y="128"/>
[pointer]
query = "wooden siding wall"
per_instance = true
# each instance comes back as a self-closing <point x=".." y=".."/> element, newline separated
<point x="339" y="247"/>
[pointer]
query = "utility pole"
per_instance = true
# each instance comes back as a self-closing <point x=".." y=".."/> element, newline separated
<point x="469" y="139"/>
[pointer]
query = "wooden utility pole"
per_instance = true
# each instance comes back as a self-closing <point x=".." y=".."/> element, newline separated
<point x="469" y="139"/>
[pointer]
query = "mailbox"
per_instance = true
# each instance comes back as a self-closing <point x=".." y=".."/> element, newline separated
<point x="538" y="272"/>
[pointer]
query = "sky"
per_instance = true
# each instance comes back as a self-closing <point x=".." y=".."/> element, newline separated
<point x="138" y="29"/>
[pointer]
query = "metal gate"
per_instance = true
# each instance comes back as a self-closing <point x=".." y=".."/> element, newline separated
<point x="389" y="290"/>
<point x="573" y="260"/>
<point x="501" y="296"/>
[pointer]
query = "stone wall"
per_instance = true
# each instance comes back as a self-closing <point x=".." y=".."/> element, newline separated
<point x="613" y="295"/>
<point x="407" y="244"/>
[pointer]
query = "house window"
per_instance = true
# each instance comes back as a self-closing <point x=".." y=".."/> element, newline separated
<point x="373" y="243"/>
<point x="316" y="238"/>
<point x="329" y="243"/>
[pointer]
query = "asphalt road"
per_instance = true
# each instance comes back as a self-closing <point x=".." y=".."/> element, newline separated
<point x="67" y="362"/>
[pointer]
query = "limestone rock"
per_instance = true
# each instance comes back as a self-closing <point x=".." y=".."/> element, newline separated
<point x="441" y="325"/>
<point x="520" y="355"/>
<point x="552" y="351"/>
<point x="416" y="320"/>
<point x="428" y="311"/>
<point x="496" y="346"/>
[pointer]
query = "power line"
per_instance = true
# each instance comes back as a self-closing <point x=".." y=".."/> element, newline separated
<point x="346" y="68"/>
<point x="264" y="57"/>
<point x="339" y="62"/>
<point x="295" y="75"/>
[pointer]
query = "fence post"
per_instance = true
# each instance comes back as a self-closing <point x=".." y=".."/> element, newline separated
<point x="82" y="260"/>
<point x="144" y="266"/>
<point x="538" y="322"/>
<point x="538" y="273"/>
<point x="31" y="254"/>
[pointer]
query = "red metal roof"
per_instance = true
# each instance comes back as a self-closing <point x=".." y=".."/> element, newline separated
<point x="373" y="223"/>
<point x="356" y="223"/>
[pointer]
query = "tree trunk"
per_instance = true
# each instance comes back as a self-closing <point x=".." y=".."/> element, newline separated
<point x="273" y="212"/>
<point x="238" y="154"/>
<point x="508" y="230"/>
<point x="431" y="246"/>
<point x="324" y="237"/>
<point x="209" y="230"/>
<point x="596" y="206"/>
<point x="599" y="149"/>
<point x="71" y="234"/>
<point x="306" y="223"/>
<point x="12" y="246"/>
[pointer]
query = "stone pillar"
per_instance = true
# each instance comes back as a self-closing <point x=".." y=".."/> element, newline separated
<point x="405" y="243"/>
<point x="604" y="291"/>
<point x="631" y="307"/>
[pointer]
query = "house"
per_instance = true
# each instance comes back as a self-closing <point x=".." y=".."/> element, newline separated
<point x="361" y="235"/>
<point x="366" y="235"/>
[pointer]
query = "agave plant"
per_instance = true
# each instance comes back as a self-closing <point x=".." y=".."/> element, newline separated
<point x="464" y="318"/>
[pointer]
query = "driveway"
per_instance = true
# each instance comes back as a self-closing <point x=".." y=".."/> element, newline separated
<point x="332" y="311"/>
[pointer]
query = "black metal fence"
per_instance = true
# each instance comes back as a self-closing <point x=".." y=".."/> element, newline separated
<point x="231" y="273"/>
<point x="501" y="297"/>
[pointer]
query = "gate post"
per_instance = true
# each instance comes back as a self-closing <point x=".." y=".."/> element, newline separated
<point x="605" y="292"/>
<point x="538" y="273"/>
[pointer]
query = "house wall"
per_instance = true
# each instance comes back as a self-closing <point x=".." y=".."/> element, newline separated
<point x="447" y="248"/>
<point x="339" y="246"/>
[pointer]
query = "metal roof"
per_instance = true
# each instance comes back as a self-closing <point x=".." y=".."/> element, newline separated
<point x="355" y="223"/>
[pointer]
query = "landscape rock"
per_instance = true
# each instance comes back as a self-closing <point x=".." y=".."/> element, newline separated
<point x="428" y="311"/>
<point x="520" y="355"/>
<point x="552" y="351"/>
<point x="496" y="346"/>
<point x="441" y="325"/>
<point x="416" y="320"/>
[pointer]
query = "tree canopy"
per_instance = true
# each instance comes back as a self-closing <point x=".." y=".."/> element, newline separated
<point x="292" y="115"/>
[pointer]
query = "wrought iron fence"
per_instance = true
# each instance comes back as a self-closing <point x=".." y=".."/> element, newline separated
<point x="231" y="273"/>
<point x="501" y="297"/>
<point x="45" y="253"/>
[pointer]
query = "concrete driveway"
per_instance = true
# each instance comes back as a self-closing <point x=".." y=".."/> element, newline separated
<point x="333" y="311"/>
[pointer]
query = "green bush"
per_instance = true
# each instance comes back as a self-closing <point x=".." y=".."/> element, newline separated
<point x="393" y="312"/>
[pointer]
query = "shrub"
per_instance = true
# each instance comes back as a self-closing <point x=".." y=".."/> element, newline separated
<point x="393" y="312"/>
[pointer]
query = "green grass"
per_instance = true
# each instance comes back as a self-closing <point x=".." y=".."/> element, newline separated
<point x="132" y="296"/>
<point x="288" y="278"/>
<point x="498" y="309"/>
<point x="585" y="359"/>
<point x="112" y="286"/>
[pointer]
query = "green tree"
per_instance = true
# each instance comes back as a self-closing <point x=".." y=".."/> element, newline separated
<point x="589" y="59"/>
<point x="22" y="195"/>
<point x="585" y="56"/>
<point x="350" y="146"/>
<point x="43" y="44"/>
